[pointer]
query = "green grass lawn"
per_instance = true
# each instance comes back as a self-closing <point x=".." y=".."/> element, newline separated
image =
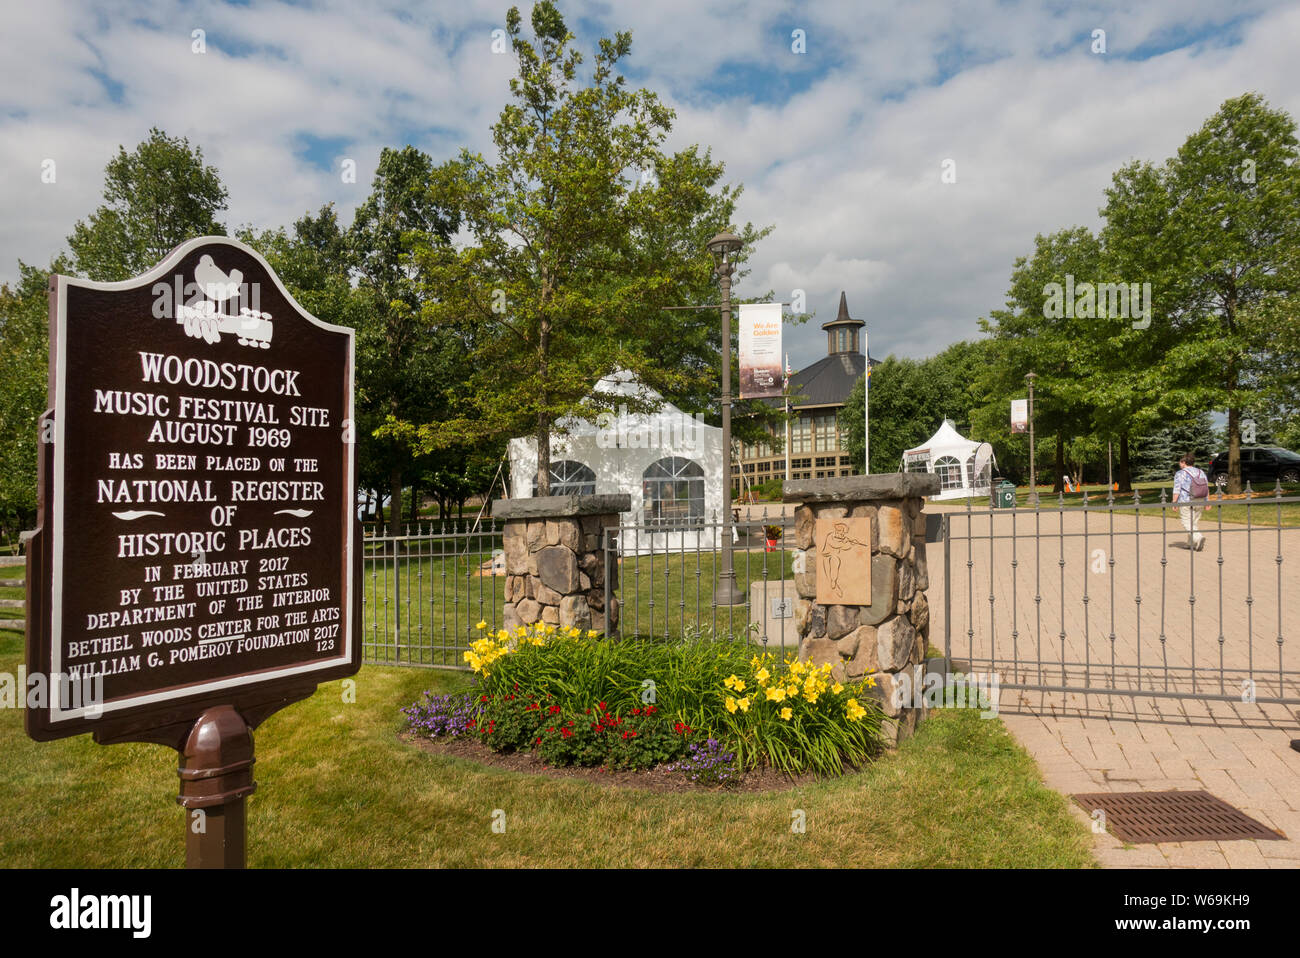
<point x="337" y="789"/>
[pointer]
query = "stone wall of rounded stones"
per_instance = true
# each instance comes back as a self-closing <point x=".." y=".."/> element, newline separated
<point x="555" y="573"/>
<point x="886" y="637"/>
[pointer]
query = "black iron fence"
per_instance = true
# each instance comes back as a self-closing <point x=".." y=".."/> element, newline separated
<point x="1121" y="596"/>
<point x="427" y="590"/>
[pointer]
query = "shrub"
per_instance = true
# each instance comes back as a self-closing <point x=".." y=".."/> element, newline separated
<point x="784" y="714"/>
<point x="796" y="717"/>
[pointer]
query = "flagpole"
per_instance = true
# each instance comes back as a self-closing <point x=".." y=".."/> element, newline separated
<point x="787" y="417"/>
<point x="866" y="404"/>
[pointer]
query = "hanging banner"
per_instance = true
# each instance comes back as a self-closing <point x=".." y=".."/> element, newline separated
<point x="1020" y="415"/>
<point x="760" y="350"/>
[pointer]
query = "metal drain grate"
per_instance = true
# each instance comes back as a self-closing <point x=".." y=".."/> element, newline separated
<point x="1139" y="817"/>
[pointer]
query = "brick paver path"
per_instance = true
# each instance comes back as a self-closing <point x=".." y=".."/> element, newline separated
<point x="1089" y="742"/>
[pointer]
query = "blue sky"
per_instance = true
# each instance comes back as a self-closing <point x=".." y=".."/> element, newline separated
<point x="840" y="147"/>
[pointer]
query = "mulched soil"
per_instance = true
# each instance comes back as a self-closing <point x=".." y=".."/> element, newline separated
<point x="653" y="780"/>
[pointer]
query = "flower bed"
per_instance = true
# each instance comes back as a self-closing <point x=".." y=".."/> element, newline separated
<point x="712" y="707"/>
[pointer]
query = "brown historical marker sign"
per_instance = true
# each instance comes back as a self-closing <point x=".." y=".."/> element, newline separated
<point x="197" y="544"/>
<point x="843" y="548"/>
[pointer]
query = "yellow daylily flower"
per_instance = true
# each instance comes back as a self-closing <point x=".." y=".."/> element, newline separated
<point x="482" y="625"/>
<point x="762" y="675"/>
<point x="731" y="704"/>
<point x="740" y="685"/>
<point x="592" y="633"/>
<point x="786" y="713"/>
<point x="837" y="688"/>
<point x="775" y="694"/>
<point x="744" y="704"/>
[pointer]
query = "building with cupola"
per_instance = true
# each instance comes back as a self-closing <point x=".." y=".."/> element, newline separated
<point x="817" y="394"/>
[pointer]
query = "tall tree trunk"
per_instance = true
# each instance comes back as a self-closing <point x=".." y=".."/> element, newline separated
<point x="395" y="507"/>
<point x="1059" y="486"/>
<point x="1234" y="451"/>
<point x="1122" y="477"/>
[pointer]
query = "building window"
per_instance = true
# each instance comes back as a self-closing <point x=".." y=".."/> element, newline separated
<point x="948" y="469"/>
<point x="570" y="478"/>
<point x="672" y="490"/>
<point x="801" y="434"/>
<point x="826" y="437"/>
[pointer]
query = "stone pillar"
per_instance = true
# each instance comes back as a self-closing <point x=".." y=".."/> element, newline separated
<point x="888" y="636"/>
<point x="555" y="567"/>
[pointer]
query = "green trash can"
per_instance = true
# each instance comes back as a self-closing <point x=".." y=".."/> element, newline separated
<point x="1005" y="495"/>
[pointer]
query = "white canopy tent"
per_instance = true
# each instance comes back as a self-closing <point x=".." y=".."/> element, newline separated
<point x="964" y="467"/>
<point x="668" y="461"/>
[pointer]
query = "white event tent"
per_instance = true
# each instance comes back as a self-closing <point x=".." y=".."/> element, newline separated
<point x="964" y="467"/>
<point x="668" y="461"/>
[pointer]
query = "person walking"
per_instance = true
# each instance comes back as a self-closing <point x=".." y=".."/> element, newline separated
<point x="1191" y="490"/>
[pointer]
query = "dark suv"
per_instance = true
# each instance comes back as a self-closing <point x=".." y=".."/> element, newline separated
<point x="1259" y="464"/>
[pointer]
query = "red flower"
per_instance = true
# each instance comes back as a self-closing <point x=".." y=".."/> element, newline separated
<point x="531" y="707"/>
<point x="636" y="711"/>
<point x="586" y="711"/>
<point x="625" y="734"/>
<point x="602" y="706"/>
<point x="650" y="710"/>
<point x="566" y="732"/>
<point x="516" y="686"/>
<point x="553" y="709"/>
<point x="537" y="741"/>
<point x="483" y="698"/>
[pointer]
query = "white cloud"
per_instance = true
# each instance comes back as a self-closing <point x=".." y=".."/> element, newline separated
<point x="848" y="169"/>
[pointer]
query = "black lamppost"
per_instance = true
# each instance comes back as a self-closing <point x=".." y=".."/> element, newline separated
<point x="724" y="247"/>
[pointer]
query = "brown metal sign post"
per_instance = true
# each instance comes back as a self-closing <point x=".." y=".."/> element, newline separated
<point x="197" y="561"/>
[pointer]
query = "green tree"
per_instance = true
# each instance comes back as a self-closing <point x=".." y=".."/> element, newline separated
<point x="402" y="363"/>
<point x="1039" y="332"/>
<point x="910" y="399"/>
<point x="578" y="235"/>
<point x="24" y="346"/>
<point x="1215" y="230"/>
<point x="155" y="198"/>
<point x="1156" y="455"/>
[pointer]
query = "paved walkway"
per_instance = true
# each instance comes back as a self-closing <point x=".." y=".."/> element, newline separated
<point x="1206" y="622"/>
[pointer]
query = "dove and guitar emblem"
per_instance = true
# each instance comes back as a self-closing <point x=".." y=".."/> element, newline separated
<point x="209" y="319"/>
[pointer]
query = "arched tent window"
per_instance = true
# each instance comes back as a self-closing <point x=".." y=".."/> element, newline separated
<point x="673" y="492"/>
<point x="948" y="469"/>
<point x="570" y="478"/>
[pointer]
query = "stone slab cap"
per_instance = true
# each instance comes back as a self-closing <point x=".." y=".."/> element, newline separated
<point x="550" y="507"/>
<point x="889" y="485"/>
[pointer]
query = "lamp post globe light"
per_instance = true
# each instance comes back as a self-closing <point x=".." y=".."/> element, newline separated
<point x="724" y="247"/>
